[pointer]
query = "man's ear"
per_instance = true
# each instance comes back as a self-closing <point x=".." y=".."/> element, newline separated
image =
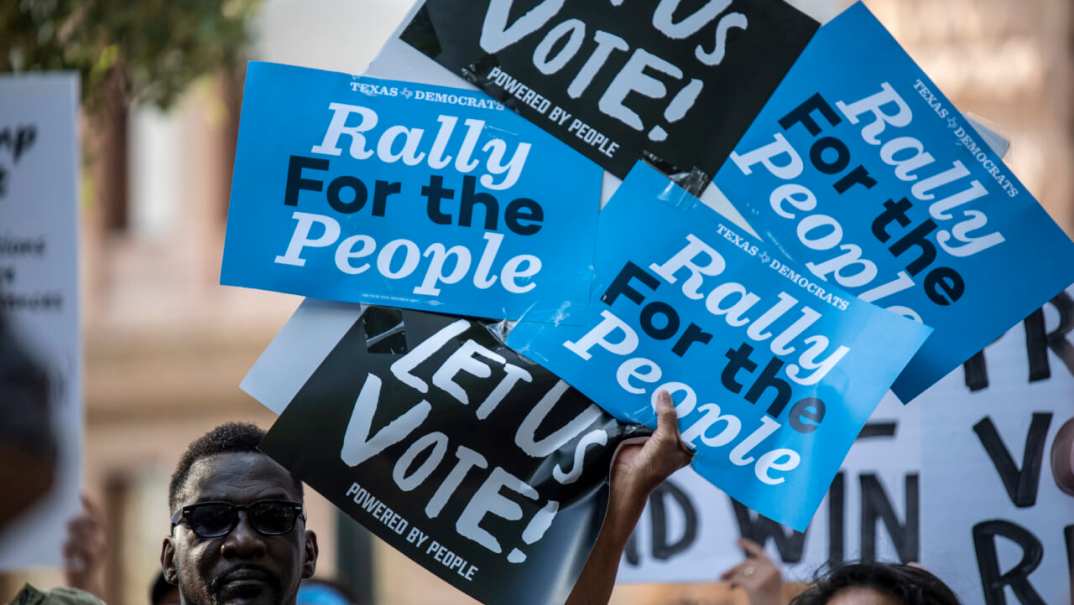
<point x="309" y="562"/>
<point x="167" y="562"/>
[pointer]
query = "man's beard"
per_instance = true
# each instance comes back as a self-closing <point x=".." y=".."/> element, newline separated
<point x="244" y="581"/>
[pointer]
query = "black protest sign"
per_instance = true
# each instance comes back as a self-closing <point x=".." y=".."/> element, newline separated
<point x="474" y="462"/>
<point x="675" y="82"/>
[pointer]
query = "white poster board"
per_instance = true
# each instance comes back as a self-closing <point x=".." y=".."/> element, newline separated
<point x="39" y="284"/>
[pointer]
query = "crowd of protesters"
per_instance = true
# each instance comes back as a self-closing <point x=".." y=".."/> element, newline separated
<point x="238" y="533"/>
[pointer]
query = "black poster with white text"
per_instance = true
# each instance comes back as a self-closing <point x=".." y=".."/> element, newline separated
<point x="477" y="464"/>
<point x="674" y="82"/>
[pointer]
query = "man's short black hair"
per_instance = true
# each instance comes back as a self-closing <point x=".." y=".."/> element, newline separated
<point x="228" y="438"/>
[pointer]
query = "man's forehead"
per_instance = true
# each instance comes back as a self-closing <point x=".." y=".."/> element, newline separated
<point x="237" y="477"/>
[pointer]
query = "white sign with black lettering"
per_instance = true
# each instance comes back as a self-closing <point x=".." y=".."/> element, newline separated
<point x="39" y="289"/>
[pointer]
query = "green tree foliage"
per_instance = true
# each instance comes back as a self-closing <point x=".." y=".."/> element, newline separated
<point x="146" y="51"/>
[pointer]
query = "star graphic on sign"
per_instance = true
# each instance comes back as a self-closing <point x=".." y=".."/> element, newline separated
<point x="764" y="257"/>
<point x="408" y="93"/>
<point x="952" y="122"/>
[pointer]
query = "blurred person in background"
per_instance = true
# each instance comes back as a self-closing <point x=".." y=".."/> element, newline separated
<point x="57" y="596"/>
<point x="845" y="584"/>
<point x="27" y="442"/>
<point x="86" y="549"/>
<point x="877" y="584"/>
<point x="758" y="576"/>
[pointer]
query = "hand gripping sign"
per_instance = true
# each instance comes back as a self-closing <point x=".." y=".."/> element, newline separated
<point x="872" y="180"/>
<point x="676" y="83"/>
<point x="477" y="464"/>
<point x="363" y="190"/>
<point x="774" y="373"/>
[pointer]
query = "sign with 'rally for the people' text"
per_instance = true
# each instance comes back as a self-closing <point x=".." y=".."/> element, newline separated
<point x="975" y="481"/>
<point x="474" y="462"/>
<point x="376" y="191"/>
<point x="672" y="82"/>
<point x="773" y="377"/>
<point x="871" y="178"/>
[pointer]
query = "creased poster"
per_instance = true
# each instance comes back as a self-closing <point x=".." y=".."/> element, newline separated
<point x="379" y="191"/>
<point x="477" y="464"/>
<point x="773" y="373"/>
<point x="675" y="83"/>
<point x="975" y="483"/>
<point x="873" y="180"/>
<point x="39" y="307"/>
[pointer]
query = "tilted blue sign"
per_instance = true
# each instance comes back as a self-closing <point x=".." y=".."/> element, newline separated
<point x="863" y="171"/>
<point x="773" y="371"/>
<point x="363" y="190"/>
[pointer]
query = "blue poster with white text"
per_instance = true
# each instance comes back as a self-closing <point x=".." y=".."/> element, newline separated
<point x="373" y="191"/>
<point x="860" y="169"/>
<point x="773" y="376"/>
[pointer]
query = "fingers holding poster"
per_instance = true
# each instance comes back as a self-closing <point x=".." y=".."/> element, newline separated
<point x="798" y="366"/>
<point x="364" y="190"/>
<point x="620" y="82"/>
<point x="477" y="464"/>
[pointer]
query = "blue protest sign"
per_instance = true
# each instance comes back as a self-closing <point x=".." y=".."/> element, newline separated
<point x="863" y="171"/>
<point x="375" y="191"/>
<point x="773" y="372"/>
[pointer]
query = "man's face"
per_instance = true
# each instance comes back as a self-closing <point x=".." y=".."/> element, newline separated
<point x="244" y="567"/>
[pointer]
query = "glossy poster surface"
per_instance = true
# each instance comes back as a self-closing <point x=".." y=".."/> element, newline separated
<point x="872" y="179"/>
<point x="377" y="191"/>
<point x="477" y="464"/>
<point x="773" y="372"/>
<point x="673" y="82"/>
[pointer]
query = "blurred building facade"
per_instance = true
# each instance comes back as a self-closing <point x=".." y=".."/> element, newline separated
<point x="166" y="346"/>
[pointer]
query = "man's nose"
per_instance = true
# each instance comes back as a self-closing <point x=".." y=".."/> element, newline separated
<point x="244" y="542"/>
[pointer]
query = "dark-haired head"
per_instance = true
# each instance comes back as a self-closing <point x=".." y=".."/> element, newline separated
<point x="238" y="528"/>
<point x="877" y="584"/>
<point x="228" y="438"/>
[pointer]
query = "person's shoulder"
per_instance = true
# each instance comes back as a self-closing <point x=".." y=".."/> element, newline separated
<point x="63" y="595"/>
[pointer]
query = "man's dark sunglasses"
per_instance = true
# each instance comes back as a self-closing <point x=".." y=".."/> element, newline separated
<point x="218" y="519"/>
